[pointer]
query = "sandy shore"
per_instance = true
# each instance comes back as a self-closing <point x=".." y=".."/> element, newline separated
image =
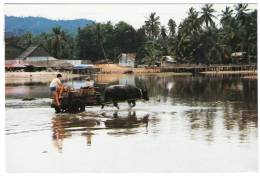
<point x="37" y="77"/>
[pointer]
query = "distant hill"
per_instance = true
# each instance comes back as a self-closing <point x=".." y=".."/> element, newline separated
<point x="16" y="26"/>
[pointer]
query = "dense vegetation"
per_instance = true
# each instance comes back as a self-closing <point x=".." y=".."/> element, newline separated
<point x="197" y="39"/>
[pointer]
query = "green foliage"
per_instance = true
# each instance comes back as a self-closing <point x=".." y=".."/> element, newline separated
<point x="199" y="38"/>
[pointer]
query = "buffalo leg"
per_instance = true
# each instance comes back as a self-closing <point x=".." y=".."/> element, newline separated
<point x="129" y="103"/>
<point x="133" y="103"/>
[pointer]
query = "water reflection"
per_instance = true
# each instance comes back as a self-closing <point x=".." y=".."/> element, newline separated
<point x="67" y="125"/>
<point x="63" y="127"/>
<point x="201" y="122"/>
<point x="129" y="121"/>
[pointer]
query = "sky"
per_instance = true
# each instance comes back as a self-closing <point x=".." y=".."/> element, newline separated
<point x="134" y="14"/>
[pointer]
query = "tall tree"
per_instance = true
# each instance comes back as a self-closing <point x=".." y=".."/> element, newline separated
<point x="60" y="42"/>
<point x="152" y="26"/>
<point x="172" y="27"/>
<point x="207" y="15"/>
<point x="226" y="16"/>
<point x="125" y="37"/>
<point x="100" y="38"/>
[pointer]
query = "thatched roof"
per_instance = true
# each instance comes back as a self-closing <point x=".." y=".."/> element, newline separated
<point x="28" y="51"/>
<point x="58" y="64"/>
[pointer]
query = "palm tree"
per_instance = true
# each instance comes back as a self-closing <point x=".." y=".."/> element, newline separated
<point x="207" y="15"/>
<point x="99" y="39"/>
<point x="241" y="14"/>
<point x="164" y="41"/>
<point x="193" y="22"/>
<point x="60" y="47"/>
<point x="172" y="27"/>
<point x="226" y="16"/>
<point x="163" y="33"/>
<point x="188" y="36"/>
<point x="56" y="42"/>
<point x="152" y="26"/>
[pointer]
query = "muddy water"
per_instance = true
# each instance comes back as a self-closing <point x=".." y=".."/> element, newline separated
<point x="190" y="124"/>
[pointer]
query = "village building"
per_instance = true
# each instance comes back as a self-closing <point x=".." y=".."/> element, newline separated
<point x="167" y="61"/>
<point x="127" y="80"/>
<point x="127" y="59"/>
<point x="35" y="53"/>
<point x="239" y="57"/>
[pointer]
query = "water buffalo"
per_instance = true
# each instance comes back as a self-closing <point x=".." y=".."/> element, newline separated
<point x="129" y="93"/>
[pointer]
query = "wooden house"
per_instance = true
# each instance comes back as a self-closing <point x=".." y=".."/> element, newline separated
<point x="167" y="61"/>
<point x="35" y="53"/>
<point x="239" y="57"/>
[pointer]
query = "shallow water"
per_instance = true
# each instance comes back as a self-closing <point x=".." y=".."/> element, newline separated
<point x="195" y="124"/>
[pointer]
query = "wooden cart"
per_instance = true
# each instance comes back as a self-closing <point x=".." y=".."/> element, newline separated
<point x="75" y="100"/>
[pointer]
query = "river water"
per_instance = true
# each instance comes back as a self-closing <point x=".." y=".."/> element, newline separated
<point x="195" y="124"/>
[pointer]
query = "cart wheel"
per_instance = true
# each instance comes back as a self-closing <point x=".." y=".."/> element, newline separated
<point x="82" y="108"/>
<point x="77" y="106"/>
<point x="57" y="109"/>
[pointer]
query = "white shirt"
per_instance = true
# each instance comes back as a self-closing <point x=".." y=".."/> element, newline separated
<point x="55" y="82"/>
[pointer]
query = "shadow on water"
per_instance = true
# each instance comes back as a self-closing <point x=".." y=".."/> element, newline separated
<point x="67" y="125"/>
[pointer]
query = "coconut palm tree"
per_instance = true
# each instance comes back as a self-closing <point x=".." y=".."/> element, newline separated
<point x="152" y="26"/>
<point x="207" y="15"/>
<point x="99" y="39"/>
<point x="59" y="43"/>
<point x="193" y="21"/>
<point x="56" y="42"/>
<point x="172" y="27"/>
<point x="241" y="13"/>
<point x="188" y="37"/>
<point x="243" y="21"/>
<point x="226" y="16"/>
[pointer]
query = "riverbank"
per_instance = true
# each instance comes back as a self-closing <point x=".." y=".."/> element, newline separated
<point x="180" y="69"/>
<point x="34" y="77"/>
<point x="251" y="72"/>
<point x="117" y="69"/>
